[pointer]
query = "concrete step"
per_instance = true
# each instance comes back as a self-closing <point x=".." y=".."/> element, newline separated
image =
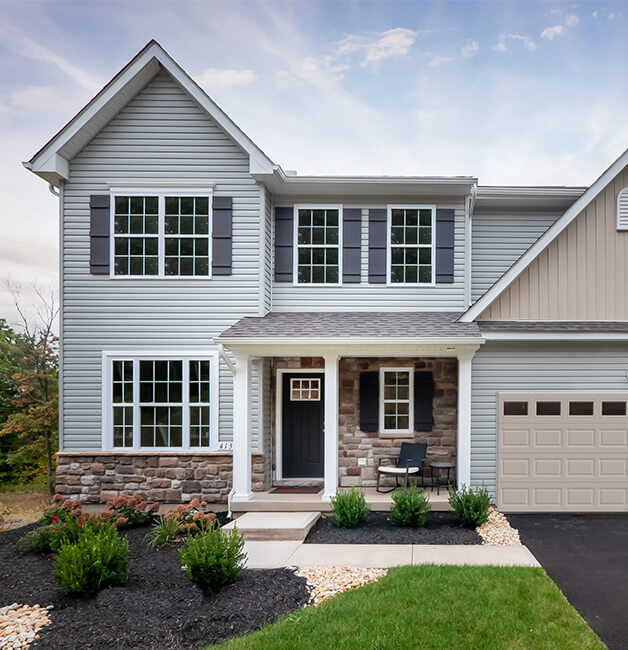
<point x="274" y="526"/>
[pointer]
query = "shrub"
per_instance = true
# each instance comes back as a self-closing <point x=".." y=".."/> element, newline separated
<point x="410" y="507"/>
<point x="470" y="506"/>
<point x="133" y="510"/>
<point x="165" y="530"/>
<point x="61" y="508"/>
<point x="35" y="541"/>
<point x="182" y="520"/>
<point x="349" y="508"/>
<point x="213" y="559"/>
<point x="98" y="558"/>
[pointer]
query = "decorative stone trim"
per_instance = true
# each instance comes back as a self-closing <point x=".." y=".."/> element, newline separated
<point x="166" y="477"/>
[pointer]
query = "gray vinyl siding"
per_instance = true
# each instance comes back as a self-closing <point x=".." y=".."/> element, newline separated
<point x="533" y="366"/>
<point x="364" y="296"/>
<point x="161" y="135"/>
<point x="498" y="240"/>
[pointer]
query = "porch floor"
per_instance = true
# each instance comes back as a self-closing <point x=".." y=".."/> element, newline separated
<point x="268" y="502"/>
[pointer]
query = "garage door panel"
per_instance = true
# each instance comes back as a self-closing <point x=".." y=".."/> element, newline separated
<point x="566" y="461"/>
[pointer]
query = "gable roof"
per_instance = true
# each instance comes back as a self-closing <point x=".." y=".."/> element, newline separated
<point x="545" y="240"/>
<point x="51" y="162"/>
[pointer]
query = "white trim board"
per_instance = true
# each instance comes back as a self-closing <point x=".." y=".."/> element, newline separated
<point x="545" y="240"/>
<point x="280" y="372"/>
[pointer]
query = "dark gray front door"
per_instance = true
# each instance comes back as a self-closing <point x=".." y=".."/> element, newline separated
<point x="302" y="425"/>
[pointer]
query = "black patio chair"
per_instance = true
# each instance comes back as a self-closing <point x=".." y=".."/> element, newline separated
<point x="409" y="464"/>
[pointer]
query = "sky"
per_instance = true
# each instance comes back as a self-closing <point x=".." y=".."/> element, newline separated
<point x="511" y="92"/>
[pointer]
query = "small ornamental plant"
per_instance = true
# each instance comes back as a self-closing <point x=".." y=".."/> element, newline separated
<point x="213" y="558"/>
<point x="349" y="508"/>
<point x="97" y="559"/>
<point x="180" y="521"/>
<point x="470" y="506"/>
<point x="410" y="507"/>
<point x="133" y="510"/>
<point x="61" y="508"/>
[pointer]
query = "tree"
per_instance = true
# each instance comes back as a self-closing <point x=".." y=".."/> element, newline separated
<point x="34" y="421"/>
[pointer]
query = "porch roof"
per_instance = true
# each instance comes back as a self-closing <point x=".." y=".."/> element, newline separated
<point x="365" y="326"/>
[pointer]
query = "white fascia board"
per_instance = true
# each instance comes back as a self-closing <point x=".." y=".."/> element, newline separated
<point x="152" y="54"/>
<point x="555" y="336"/>
<point x="545" y="240"/>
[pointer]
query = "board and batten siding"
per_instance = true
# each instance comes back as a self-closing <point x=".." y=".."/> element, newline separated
<point x="162" y="135"/>
<point x="580" y="275"/>
<point x="499" y="239"/>
<point x="533" y="366"/>
<point x="363" y="296"/>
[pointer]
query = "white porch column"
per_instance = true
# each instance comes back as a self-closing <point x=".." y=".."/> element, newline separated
<point x="331" y="426"/>
<point x="463" y="469"/>
<point x="241" y="438"/>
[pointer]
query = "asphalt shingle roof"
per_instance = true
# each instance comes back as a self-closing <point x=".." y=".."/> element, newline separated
<point x="351" y="324"/>
<point x="552" y="326"/>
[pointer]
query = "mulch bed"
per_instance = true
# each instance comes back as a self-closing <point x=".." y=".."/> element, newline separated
<point x="157" y="608"/>
<point x="441" y="528"/>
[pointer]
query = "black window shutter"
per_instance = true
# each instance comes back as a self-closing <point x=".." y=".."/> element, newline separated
<point x="222" y="235"/>
<point x="423" y="401"/>
<point x="377" y="245"/>
<point x="351" y="244"/>
<point x="445" y="245"/>
<point x="284" y="238"/>
<point x="369" y="401"/>
<point x="99" y="235"/>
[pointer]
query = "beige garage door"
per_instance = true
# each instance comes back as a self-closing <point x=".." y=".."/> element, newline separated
<point x="562" y="452"/>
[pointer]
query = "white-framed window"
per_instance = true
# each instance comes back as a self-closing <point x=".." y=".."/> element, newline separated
<point x="396" y="407"/>
<point x="157" y="401"/>
<point x="318" y="244"/>
<point x="622" y="209"/>
<point x="307" y="389"/>
<point x="411" y="235"/>
<point x="165" y="233"/>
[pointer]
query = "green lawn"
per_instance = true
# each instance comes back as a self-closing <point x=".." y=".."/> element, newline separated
<point x="435" y="607"/>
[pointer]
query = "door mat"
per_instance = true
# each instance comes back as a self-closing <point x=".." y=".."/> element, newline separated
<point x="296" y="489"/>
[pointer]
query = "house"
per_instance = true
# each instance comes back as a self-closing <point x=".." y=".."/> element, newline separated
<point x="228" y="326"/>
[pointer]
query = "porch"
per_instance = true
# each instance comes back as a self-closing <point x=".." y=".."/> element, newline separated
<point x="268" y="501"/>
<point x="322" y="425"/>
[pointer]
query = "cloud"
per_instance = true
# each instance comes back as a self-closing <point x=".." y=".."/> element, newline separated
<point x="572" y="20"/>
<point x="219" y="78"/>
<point x="596" y="13"/>
<point x="30" y="49"/>
<point x="470" y="49"/>
<point x="314" y="70"/>
<point x="394" y="42"/>
<point x="528" y="43"/>
<point x="552" y="32"/>
<point x="436" y="60"/>
<point x="611" y="16"/>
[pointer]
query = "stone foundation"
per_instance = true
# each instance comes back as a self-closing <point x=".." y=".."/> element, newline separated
<point x="163" y="477"/>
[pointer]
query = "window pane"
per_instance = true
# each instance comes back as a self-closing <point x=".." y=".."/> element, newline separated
<point x="515" y="408"/>
<point x="425" y="274"/>
<point x="613" y="408"/>
<point x="548" y="408"/>
<point x="580" y="408"/>
<point x="187" y="256"/>
<point x="123" y="426"/>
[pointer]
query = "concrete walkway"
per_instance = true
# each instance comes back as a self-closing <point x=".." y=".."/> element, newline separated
<point x="270" y="555"/>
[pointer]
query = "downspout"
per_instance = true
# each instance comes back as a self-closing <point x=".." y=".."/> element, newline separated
<point x="54" y="190"/>
<point x="229" y="364"/>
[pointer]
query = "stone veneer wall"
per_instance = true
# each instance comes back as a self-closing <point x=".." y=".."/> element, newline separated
<point x="95" y="477"/>
<point x="354" y="444"/>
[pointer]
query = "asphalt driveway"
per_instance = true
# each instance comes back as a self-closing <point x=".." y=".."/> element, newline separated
<point x="587" y="557"/>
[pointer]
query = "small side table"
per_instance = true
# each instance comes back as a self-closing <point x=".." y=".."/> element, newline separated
<point x="436" y="467"/>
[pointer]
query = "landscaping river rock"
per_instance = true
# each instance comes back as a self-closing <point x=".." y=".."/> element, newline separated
<point x="497" y="531"/>
<point x="325" y="582"/>
<point x="20" y="625"/>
